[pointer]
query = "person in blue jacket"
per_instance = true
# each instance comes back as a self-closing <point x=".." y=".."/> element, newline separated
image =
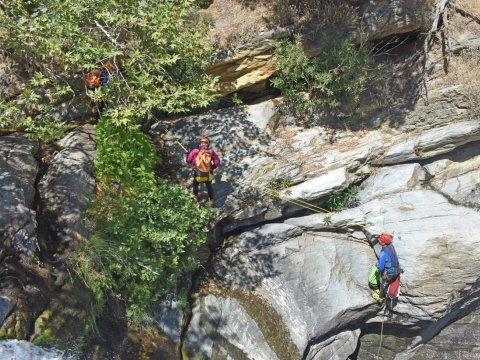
<point x="388" y="266"/>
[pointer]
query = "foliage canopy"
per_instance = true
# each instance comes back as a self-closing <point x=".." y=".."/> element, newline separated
<point x="157" y="49"/>
<point x="147" y="230"/>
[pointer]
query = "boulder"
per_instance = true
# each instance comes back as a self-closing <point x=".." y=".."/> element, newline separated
<point x="338" y="347"/>
<point x="431" y="143"/>
<point x="77" y="110"/>
<point x="220" y="327"/>
<point x="18" y="226"/>
<point x="459" y="181"/>
<point x="385" y="18"/>
<point x="320" y="186"/>
<point x="390" y="180"/>
<point x="67" y="187"/>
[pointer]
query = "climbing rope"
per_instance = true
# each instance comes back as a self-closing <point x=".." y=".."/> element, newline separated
<point x="303" y="204"/>
<point x="381" y="331"/>
<point x="274" y="193"/>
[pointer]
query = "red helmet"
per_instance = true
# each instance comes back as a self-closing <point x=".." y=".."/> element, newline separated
<point x="386" y="238"/>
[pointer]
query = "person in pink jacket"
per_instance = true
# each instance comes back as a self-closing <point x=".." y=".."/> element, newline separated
<point x="204" y="161"/>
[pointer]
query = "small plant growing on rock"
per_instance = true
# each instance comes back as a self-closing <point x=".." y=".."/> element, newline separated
<point x="327" y="220"/>
<point x="236" y="99"/>
<point x="276" y="185"/>
<point x="341" y="200"/>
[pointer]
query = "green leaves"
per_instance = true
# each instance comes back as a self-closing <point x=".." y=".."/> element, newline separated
<point x="158" y="51"/>
<point x="335" y="80"/>
<point x="341" y="200"/>
<point x="153" y="227"/>
<point x="148" y="230"/>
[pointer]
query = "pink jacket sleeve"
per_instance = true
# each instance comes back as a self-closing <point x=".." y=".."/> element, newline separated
<point x="191" y="156"/>
<point x="215" y="159"/>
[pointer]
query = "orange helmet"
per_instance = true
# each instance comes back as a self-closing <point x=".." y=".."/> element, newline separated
<point x="385" y="238"/>
<point x="204" y="140"/>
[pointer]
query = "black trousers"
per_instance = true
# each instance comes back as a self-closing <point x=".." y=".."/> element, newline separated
<point x="384" y="284"/>
<point x="209" y="186"/>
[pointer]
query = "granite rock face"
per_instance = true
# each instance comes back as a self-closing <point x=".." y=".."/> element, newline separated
<point x="19" y="167"/>
<point x="67" y="187"/>
<point x="308" y="268"/>
<point x="315" y="280"/>
<point x="259" y="155"/>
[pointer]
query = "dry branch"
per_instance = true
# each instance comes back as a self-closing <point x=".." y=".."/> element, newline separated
<point x="439" y="12"/>
<point x="465" y="12"/>
<point x="108" y="35"/>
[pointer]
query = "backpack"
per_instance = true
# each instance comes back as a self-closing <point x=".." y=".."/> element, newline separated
<point x="374" y="278"/>
<point x="92" y="80"/>
<point x="203" y="163"/>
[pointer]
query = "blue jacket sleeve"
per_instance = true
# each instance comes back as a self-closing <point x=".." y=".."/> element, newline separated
<point x="382" y="260"/>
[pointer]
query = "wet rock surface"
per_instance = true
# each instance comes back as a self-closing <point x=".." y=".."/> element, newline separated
<point x="14" y="349"/>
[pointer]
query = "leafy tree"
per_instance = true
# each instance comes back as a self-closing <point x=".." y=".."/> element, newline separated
<point x="157" y="49"/>
<point x="147" y="229"/>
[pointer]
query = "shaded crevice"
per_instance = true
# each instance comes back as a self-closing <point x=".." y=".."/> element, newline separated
<point x="215" y="242"/>
<point x="459" y="154"/>
<point x="40" y="209"/>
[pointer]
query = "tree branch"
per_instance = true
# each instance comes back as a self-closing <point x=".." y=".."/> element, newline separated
<point x="109" y="36"/>
<point x="465" y="12"/>
<point x="440" y="8"/>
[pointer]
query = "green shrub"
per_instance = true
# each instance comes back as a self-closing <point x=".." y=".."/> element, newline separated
<point x="335" y="80"/>
<point x="43" y="341"/>
<point x="147" y="230"/>
<point x="341" y="200"/>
